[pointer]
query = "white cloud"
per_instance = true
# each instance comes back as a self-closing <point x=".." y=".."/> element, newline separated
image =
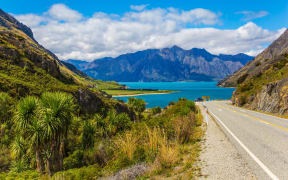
<point x="76" y="37"/>
<point x="62" y="12"/>
<point x="139" y="7"/>
<point x="30" y="20"/>
<point x="250" y="15"/>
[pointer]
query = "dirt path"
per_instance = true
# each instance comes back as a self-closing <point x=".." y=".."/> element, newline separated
<point x="219" y="158"/>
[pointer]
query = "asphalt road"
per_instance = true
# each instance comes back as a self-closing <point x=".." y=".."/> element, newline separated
<point x="261" y="139"/>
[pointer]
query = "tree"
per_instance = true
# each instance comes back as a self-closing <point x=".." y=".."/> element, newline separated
<point x="57" y="110"/>
<point x="28" y="124"/>
<point x="44" y="124"/>
<point x="137" y="105"/>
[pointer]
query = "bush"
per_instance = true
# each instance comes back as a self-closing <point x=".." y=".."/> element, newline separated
<point x="23" y="175"/>
<point x="246" y="87"/>
<point x="171" y="103"/>
<point x="242" y="100"/>
<point x="258" y="64"/>
<point x="137" y="105"/>
<point x="5" y="107"/>
<point x="112" y="124"/>
<point x="89" y="172"/>
<point x="242" y="78"/>
<point x="280" y="64"/>
<point x="156" y="110"/>
<point x="75" y="160"/>
<point x="88" y="135"/>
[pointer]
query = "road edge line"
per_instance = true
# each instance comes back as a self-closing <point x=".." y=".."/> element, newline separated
<point x="263" y="166"/>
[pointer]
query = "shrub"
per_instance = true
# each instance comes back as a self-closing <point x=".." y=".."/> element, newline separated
<point x="242" y="100"/>
<point x="29" y="174"/>
<point x="89" y="172"/>
<point x="88" y="135"/>
<point x="75" y="160"/>
<point x="246" y="87"/>
<point x="5" y="107"/>
<point x="171" y="103"/>
<point x="280" y="64"/>
<point x="242" y="78"/>
<point x="137" y="105"/>
<point x="156" y="110"/>
<point x="112" y="124"/>
<point x="258" y="64"/>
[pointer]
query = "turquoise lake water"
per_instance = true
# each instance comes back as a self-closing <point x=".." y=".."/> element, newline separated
<point x="189" y="90"/>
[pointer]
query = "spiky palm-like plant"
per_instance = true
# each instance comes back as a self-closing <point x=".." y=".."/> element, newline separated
<point x="57" y="109"/>
<point x="27" y="119"/>
<point x="88" y="135"/>
<point x="44" y="124"/>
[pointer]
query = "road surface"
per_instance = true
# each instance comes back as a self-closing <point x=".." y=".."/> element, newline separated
<point x="261" y="139"/>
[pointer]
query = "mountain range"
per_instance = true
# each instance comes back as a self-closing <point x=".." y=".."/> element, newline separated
<point x="167" y="64"/>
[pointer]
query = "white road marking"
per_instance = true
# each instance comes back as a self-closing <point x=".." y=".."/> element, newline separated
<point x="263" y="166"/>
<point x="219" y="109"/>
<point x="207" y="119"/>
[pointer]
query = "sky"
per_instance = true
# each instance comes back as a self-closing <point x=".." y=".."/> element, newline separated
<point x="92" y="29"/>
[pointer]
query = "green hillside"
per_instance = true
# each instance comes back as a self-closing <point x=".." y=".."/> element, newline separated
<point x="262" y="83"/>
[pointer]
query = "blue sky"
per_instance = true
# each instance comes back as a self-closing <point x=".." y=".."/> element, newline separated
<point x="93" y="29"/>
<point x="277" y="17"/>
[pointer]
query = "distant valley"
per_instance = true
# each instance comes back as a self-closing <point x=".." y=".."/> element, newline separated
<point x="167" y="64"/>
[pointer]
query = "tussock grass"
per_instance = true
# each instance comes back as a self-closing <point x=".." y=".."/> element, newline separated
<point x="126" y="145"/>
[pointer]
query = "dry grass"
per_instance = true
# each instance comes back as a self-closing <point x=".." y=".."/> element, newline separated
<point x="168" y="155"/>
<point x="154" y="136"/>
<point x="126" y="145"/>
<point x="184" y="127"/>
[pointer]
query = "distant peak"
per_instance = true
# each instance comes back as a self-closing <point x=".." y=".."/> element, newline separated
<point x="200" y="50"/>
<point x="176" y="47"/>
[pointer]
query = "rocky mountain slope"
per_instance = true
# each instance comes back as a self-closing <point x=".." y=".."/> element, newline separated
<point x="168" y="64"/>
<point x="27" y="68"/>
<point x="263" y="83"/>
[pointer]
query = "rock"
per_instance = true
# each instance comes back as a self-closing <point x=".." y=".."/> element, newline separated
<point x="89" y="101"/>
<point x="8" y="21"/>
<point x="131" y="173"/>
<point x="273" y="97"/>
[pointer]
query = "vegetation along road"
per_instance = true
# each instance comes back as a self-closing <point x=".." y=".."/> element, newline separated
<point x="261" y="139"/>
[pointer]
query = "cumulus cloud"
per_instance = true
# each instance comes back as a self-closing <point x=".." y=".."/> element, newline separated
<point x="139" y="7"/>
<point x="62" y="12"/>
<point x="102" y="35"/>
<point x="31" y="20"/>
<point x="250" y="15"/>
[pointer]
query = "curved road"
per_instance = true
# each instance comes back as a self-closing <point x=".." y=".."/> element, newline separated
<point x="261" y="139"/>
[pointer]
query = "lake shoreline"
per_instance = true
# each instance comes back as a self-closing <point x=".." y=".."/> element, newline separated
<point x="141" y="94"/>
<point x="189" y="90"/>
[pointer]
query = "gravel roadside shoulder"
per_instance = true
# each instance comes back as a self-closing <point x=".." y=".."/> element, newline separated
<point x="219" y="158"/>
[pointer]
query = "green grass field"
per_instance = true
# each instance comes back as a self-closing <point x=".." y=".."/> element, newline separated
<point x="126" y="92"/>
